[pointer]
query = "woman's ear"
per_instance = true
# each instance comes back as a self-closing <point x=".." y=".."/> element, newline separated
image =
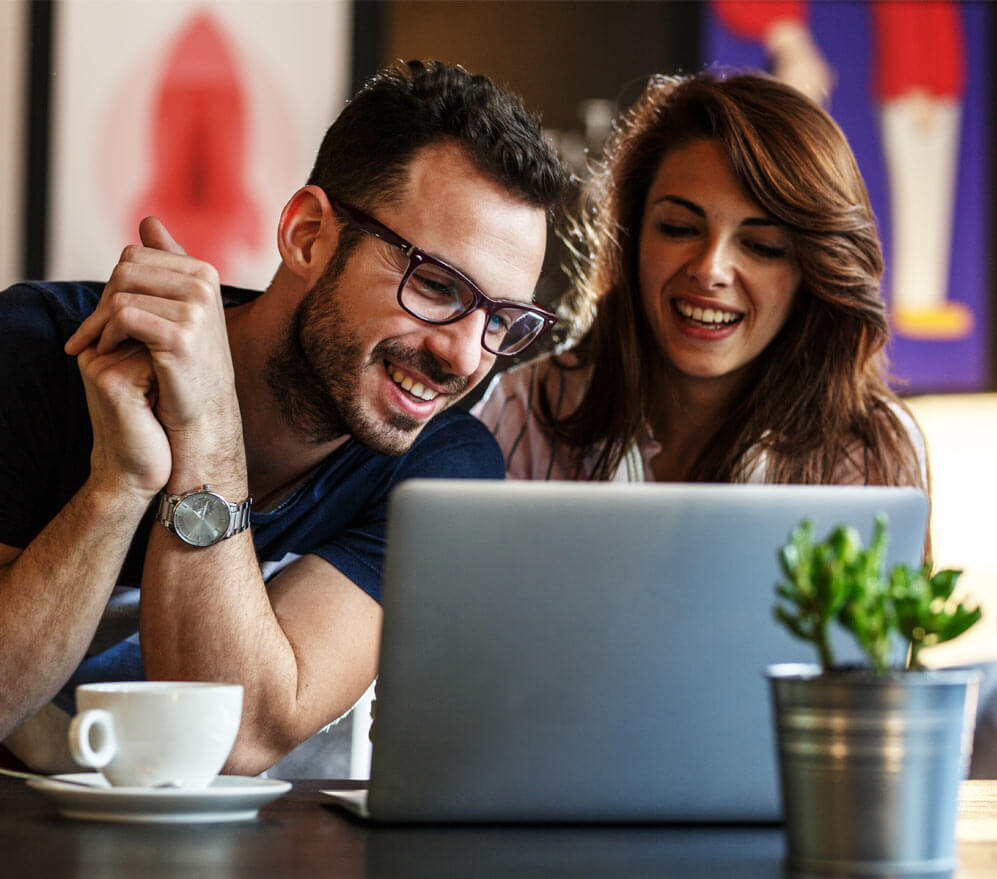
<point x="307" y="233"/>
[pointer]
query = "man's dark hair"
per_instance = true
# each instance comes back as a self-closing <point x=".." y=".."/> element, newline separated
<point x="366" y="152"/>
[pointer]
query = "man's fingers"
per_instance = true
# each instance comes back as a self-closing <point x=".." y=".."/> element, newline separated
<point x="146" y="319"/>
<point x="155" y="235"/>
<point x="138" y="286"/>
<point x="92" y="361"/>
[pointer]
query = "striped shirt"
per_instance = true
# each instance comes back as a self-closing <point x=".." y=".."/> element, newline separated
<point x="509" y="409"/>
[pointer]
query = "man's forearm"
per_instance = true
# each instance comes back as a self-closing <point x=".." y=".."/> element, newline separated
<point x="205" y="615"/>
<point x="53" y="593"/>
<point x="303" y="647"/>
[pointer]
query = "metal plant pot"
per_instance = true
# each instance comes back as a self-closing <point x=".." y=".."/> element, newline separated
<point x="870" y="766"/>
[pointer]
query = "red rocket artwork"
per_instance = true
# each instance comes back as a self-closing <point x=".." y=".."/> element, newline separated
<point x="199" y="144"/>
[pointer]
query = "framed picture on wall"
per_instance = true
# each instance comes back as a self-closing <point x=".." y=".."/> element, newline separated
<point x="908" y="83"/>
<point x="13" y="100"/>
<point x="205" y="114"/>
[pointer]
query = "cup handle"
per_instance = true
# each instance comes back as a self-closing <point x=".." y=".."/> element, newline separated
<point x="89" y="728"/>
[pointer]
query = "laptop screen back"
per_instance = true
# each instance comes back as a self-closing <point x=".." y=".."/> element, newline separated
<point x="581" y="652"/>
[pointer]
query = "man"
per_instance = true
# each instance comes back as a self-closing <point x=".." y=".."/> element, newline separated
<point x="311" y="399"/>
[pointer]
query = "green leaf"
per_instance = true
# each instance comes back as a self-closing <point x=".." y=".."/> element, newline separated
<point x="944" y="582"/>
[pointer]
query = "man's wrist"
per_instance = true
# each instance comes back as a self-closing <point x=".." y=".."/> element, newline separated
<point x="115" y="498"/>
<point x="197" y="460"/>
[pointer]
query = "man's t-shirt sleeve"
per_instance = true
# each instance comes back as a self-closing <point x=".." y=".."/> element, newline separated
<point x="44" y="428"/>
<point x="461" y="447"/>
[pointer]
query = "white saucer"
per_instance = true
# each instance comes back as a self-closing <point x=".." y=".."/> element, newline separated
<point x="229" y="798"/>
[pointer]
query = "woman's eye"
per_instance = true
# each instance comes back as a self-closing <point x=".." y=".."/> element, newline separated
<point x="767" y="251"/>
<point x="674" y="230"/>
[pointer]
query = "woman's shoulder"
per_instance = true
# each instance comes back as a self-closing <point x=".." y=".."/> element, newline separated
<point x="914" y="434"/>
<point x="558" y="377"/>
<point x="859" y="464"/>
<point x="512" y="410"/>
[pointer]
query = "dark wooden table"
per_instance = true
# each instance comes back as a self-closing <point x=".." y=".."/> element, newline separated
<point x="300" y="835"/>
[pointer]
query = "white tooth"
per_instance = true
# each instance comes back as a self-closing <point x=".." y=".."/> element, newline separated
<point x="697" y="313"/>
<point x="708" y="316"/>
<point x="428" y="395"/>
<point x="417" y="390"/>
<point x="407" y="383"/>
<point x="684" y="309"/>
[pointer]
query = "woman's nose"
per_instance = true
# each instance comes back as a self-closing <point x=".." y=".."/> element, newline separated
<point x="712" y="266"/>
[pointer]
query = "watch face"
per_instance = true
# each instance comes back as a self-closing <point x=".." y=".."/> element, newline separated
<point x="201" y="518"/>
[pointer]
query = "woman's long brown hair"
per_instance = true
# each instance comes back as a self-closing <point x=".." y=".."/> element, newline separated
<point x="818" y="392"/>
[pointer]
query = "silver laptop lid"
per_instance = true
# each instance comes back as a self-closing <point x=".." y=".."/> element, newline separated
<point x="580" y="652"/>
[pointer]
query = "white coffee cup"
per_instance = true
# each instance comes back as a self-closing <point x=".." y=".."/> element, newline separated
<point x="155" y="733"/>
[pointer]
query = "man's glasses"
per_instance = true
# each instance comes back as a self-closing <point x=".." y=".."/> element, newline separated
<point x="437" y="293"/>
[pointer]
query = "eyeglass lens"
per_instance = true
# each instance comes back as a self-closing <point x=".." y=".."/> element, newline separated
<point x="435" y="295"/>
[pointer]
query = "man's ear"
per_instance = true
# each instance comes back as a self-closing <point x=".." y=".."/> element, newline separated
<point x="307" y="233"/>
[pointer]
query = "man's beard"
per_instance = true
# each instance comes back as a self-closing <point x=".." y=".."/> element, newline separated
<point x="315" y="371"/>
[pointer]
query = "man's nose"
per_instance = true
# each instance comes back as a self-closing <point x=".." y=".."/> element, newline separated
<point x="458" y="345"/>
<point x="712" y="265"/>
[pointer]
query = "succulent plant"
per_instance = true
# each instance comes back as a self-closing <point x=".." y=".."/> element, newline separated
<point x="838" y="581"/>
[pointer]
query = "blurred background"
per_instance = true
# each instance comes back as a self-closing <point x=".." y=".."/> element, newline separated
<point x="209" y="114"/>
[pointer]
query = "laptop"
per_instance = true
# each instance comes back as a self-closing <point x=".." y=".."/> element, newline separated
<point x="577" y="652"/>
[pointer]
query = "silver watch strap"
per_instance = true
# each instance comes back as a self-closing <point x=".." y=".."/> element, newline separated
<point x="240" y="516"/>
<point x="164" y="507"/>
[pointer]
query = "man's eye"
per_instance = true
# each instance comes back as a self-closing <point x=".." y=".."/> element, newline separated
<point x="437" y="287"/>
<point x="499" y="323"/>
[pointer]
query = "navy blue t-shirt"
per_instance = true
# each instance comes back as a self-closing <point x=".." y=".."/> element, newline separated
<point x="339" y="513"/>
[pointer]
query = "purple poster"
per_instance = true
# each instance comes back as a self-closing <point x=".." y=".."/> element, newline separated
<point x="907" y="81"/>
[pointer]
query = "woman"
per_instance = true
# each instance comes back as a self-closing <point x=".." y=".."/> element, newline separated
<point x="727" y="324"/>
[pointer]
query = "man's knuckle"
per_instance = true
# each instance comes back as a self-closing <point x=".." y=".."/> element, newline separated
<point x="180" y="339"/>
<point x="124" y="275"/>
<point x="120" y="300"/>
<point x="188" y="314"/>
<point x="207" y="273"/>
<point x="130" y="253"/>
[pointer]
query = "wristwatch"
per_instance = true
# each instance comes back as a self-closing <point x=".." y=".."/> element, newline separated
<point x="202" y="517"/>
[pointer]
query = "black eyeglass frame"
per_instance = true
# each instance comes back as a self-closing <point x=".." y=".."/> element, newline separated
<point x="416" y="257"/>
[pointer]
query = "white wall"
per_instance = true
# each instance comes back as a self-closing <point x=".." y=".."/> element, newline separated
<point x="961" y="433"/>
<point x="13" y="40"/>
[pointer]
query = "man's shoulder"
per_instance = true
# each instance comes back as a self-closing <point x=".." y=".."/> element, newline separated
<point x="454" y="443"/>
<point x="56" y="301"/>
<point x="453" y="425"/>
<point x="237" y="295"/>
<point x="38" y="317"/>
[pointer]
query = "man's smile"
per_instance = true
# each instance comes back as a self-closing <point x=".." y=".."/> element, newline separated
<point x="406" y="383"/>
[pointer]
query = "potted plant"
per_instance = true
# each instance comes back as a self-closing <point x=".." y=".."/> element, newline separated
<point x="870" y="756"/>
